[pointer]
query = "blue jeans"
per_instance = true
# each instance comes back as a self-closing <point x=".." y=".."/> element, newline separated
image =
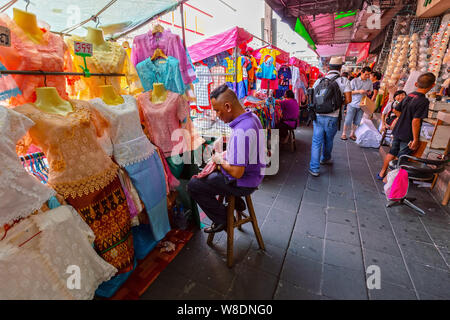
<point x="325" y="128"/>
<point x="353" y="115"/>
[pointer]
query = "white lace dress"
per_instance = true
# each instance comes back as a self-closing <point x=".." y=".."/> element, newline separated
<point x="49" y="256"/>
<point x="130" y="144"/>
<point x="20" y="193"/>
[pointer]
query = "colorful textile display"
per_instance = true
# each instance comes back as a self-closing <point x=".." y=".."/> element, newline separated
<point x="8" y="87"/>
<point x="202" y="87"/>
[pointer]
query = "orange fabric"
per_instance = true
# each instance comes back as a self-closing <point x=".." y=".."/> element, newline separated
<point x="78" y="165"/>
<point x="24" y="54"/>
<point x="112" y="58"/>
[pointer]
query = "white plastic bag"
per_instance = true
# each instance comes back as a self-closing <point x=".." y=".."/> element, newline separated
<point x="367" y="136"/>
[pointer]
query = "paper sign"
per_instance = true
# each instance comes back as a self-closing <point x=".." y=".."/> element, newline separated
<point x="5" y="37"/>
<point x="83" y="49"/>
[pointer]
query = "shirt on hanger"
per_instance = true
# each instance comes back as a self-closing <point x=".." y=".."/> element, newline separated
<point x="230" y="66"/>
<point x="201" y="88"/>
<point x="144" y="47"/>
<point x="284" y="76"/>
<point x="162" y="71"/>
<point x="217" y="80"/>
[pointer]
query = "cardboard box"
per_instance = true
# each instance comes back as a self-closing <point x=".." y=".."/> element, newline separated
<point x="367" y="105"/>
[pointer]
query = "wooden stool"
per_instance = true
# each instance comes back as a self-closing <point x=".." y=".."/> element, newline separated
<point x="237" y="222"/>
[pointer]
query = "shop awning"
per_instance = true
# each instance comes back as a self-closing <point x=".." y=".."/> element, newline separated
<point x="229" y="39"/>
<point x="119" y="17"/>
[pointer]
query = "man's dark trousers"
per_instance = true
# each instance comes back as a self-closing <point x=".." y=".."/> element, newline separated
<point x="204" y="191"/>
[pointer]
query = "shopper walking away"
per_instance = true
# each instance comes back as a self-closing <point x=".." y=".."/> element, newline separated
<point x="240" y="173"/>
<point x="361" y="86"/>
<point x="410" y="113"/>
<point x="327" y="103"/>
<point x="290" y="111"/>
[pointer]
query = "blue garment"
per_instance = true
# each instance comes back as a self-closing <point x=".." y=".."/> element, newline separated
<point x="216" y="60"/>
<point x="242" y="89"/>
<point x="53" y="203"/>
<point x="149" y="180"/>
<point x="108" y="288"/>
<point x="166" y="72"/>
<point x="267" y="70"/>
<point x="8" y="87"/>
<point x="325" y="128"/>
<point x="143" y="241"/>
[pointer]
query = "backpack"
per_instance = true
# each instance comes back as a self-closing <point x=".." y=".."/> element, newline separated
<point x="327" y="96"/>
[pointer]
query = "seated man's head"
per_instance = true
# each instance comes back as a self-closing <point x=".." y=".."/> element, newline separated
<point x="226" y="104"/>
<point x="426" y="82"/>
<point x="365" y="73"/>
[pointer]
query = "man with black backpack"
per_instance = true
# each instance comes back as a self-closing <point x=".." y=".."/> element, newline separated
<point x="329" y="94"/>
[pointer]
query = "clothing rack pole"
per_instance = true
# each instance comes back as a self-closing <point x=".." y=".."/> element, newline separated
<point x="56" y="73"/>
<point x="182" y="25"/>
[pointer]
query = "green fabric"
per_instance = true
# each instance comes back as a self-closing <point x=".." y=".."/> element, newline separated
<point x="301" y="30"/>
<point x="184" y="174"/>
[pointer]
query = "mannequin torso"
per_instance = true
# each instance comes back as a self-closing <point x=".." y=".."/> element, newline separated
<point x="28" y="23"/>
<point x="95" y="36"/>
<point x="159" y="93"/>
<point x="48" y="100"/>
<point x="110" y="97"/>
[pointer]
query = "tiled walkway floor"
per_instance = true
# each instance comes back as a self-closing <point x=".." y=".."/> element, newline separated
<point x="321" y="234"/>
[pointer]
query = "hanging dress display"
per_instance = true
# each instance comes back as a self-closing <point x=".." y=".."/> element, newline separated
<point x="201" y="88"/>
<point x="49" y="55"/>
<point x="20" y="193"/>
<point x="85" y="176"/>
<point x="165" y="71"/>
<point x="267" y="65"/>
<point x="284" y="77"/>
<point x="162" y="119"/>
<point x="110" y="57"/>
<point x="35" y="267"/>
<point x="144" y="47"/>
<point x="137" y="155"/>
<point x="230" y="67"/>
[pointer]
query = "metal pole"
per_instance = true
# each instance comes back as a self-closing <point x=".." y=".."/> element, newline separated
<point x="182" y="25"/>
<point x="56" y="73"/>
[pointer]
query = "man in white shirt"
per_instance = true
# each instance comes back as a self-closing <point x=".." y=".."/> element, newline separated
<point x="361" y="86"/>
<point x="326" y="125"/>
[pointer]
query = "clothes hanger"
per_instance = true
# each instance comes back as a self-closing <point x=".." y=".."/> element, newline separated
<point x="157" y="28"/>
<point x="158" y="54"/>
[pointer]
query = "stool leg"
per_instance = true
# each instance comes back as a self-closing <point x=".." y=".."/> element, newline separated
<point x="239" y="217"/>
<point x="251" y="210"/>
<point x="230" y="232"/>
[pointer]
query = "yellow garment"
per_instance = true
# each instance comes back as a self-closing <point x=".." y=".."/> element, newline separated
<point x="229" y="64"/>
<point x="271" y="52"/>
<point x="113" y="59"/>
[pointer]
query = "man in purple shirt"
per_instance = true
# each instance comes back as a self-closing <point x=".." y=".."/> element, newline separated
<point x="241" y="172"/>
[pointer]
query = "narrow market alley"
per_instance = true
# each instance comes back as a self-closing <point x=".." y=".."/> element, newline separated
<point x="321" y="235"/>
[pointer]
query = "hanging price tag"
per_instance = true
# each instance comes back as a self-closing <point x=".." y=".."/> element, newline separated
<point x="5" y="37"/>
<point x="83" y="49"/>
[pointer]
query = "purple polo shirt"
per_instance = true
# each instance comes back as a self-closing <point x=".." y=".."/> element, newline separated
<point x="243" y="149"/>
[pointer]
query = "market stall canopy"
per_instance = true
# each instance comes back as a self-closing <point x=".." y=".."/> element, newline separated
<point x="338" y="49"/>
<point x="118" y="17"/>
<point x="229" y="39"/>
<point x="325" y="22"/>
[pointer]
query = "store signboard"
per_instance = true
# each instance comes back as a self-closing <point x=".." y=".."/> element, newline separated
<point x="83" y="49"/>
<point x="360" y="50"/>
<point x="5" y="37"/>
<point x="431" y="8"/>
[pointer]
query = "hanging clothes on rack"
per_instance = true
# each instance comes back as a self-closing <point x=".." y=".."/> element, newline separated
<point x="50" y="54"/>
<point x="284" y="77"/>
<point x="162" y="119"/>
<point x="165" y="71"/>
<point x="201" y="88"/>
<point x="230" y="66"/>
<point x="110" y="57"/>
<point x="85" y="176"/>
<point x="20" y="193"/>
<point x="145" y="45"/>
<point x="267" y="64"/>
<point x="136" y="154"/>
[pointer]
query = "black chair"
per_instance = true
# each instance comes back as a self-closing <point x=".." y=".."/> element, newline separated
<point x="419" y="169"/>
